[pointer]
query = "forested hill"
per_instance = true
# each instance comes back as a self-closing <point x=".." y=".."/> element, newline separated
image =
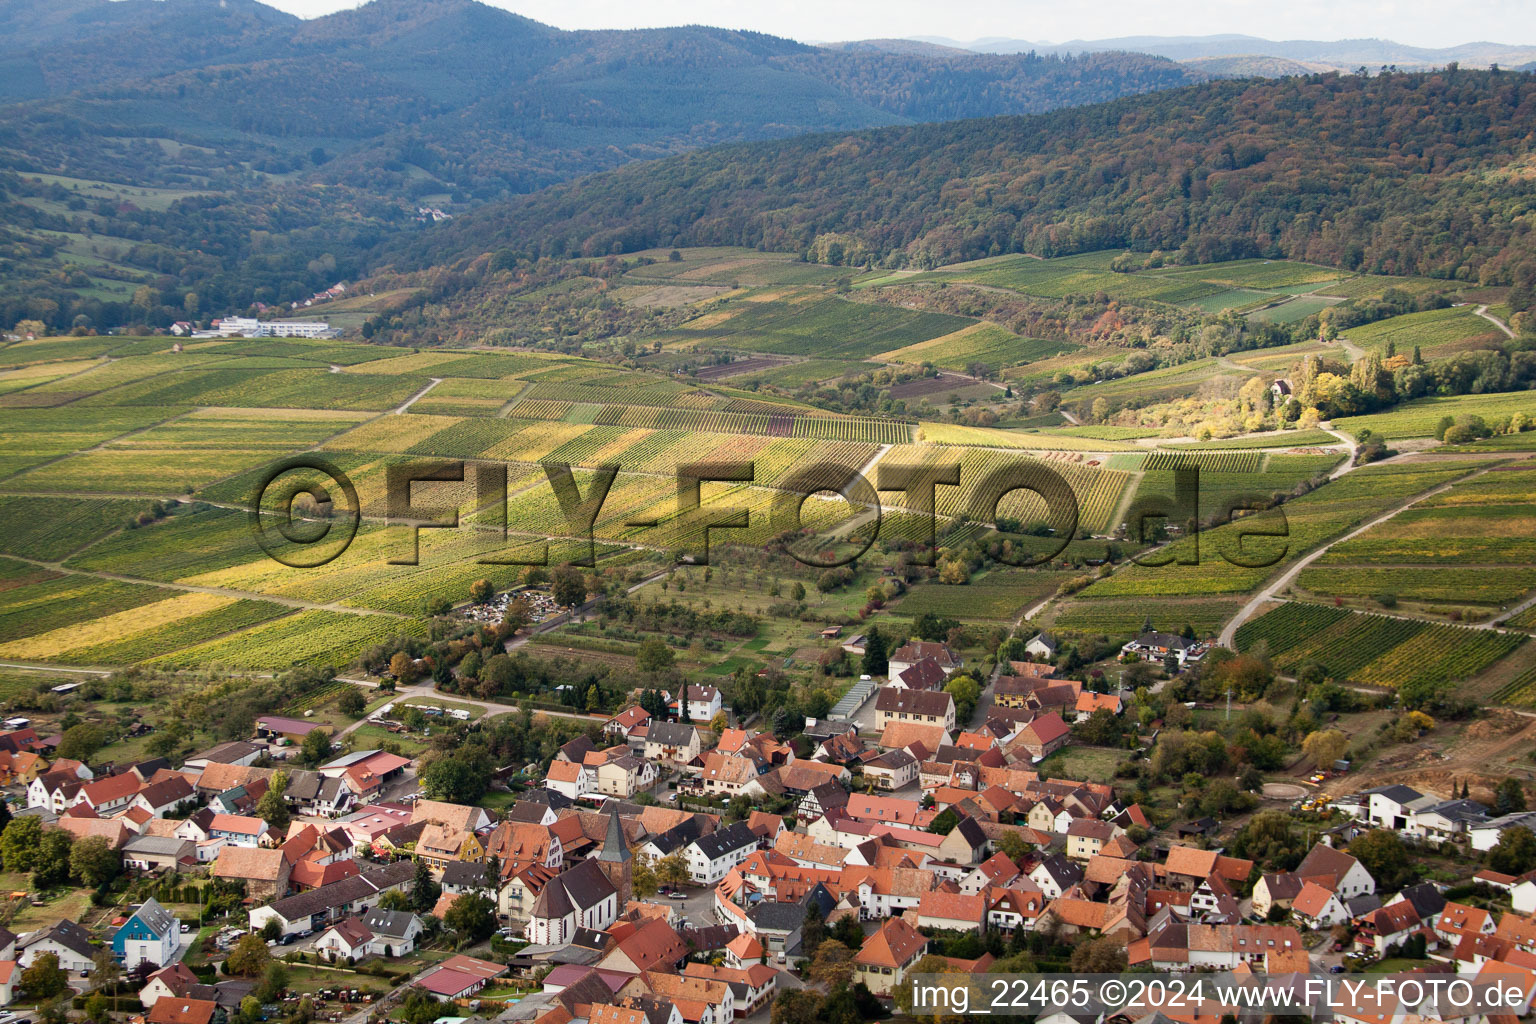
<point x="1427" y="173"/>
<point x="456" y="98"/>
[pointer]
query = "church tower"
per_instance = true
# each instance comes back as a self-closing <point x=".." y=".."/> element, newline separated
<point x="616" y="862"/>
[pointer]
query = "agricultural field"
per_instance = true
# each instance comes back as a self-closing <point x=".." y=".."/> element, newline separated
<point x="1419" y="417"/>
<point x="1284" y="439"/>
<point x="997" y="596"/>
<point x="1520" y="691"/>
<point x="1436" y="333"/>
<point x="1121" y="618"/>
<point x="1374" y="650"/>
<point x="1237" y="557"/>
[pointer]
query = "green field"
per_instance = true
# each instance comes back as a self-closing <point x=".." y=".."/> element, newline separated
<point x="1419" y="417"/>
<point x="1374" y="649"/>
<point x="1435" y="332"/>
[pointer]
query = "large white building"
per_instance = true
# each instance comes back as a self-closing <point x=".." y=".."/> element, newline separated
<point x="250" y="327"/>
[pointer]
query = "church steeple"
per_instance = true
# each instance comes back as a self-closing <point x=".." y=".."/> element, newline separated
<point x="615" y="860"/>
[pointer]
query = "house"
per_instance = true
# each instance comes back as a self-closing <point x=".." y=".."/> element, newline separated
<point x="265" y="872"/>
<point x="952" y="911"/>
<point x="570" y="779"/>
<point x="1443" y="820"/>
<point x="65" y="939"/>
<point x="169" y="982"/>
<point x="1317" y="907"/>
<point x="1278" y="889"/>
<point x="394" y="931"/>
<point x="1041" y="646"/>
<point x="238" y="753"/>
<point x="240" y="830"/>
<point x="1389" y="926"/>
<point x="703" y="703"/>
<point x="1485" y="835"/>
<point x="1086" y="837"/>
<point x="1043" y="736"/>
<point x="624" y="776"/>
<point x="158" y="853"/>
<point x="582" y="897"/>
<point x="927" y="707"/>
<point x="923" y="675"/>
<point x="885" y="957"/>
<point x="711" y="856"/>
<point x="173" y="1010"/>
<point x="165" y="798"/>
<point x="1055" y="874"/>
<point x="1155" y="646"/>
<point x="1335" y="870"/>
<point x="110" y="795"/>
<point x="894" y="769"/>
<point x="1388" y="808"/>
<point x="151" y="935"/>
<point x="907" y="655"/>
<point x="347" y="939"/>
<point x="671" y="741"/>
<point x="623" y="724"/>
<point x="440" y="845"/>
<point x="456" y="816"/>
<point x="728" y="775"/>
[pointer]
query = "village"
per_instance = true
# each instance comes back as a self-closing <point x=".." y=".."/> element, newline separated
<point x="637" y="874"/>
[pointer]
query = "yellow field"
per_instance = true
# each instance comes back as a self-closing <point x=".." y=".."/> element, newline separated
<point x="110" y="628"/>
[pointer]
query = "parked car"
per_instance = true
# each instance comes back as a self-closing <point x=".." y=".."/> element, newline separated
<point x="677" y="894"/>
<point x="1336" y="969"/>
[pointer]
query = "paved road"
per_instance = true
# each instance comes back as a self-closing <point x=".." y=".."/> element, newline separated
<point x="435" y="381"/>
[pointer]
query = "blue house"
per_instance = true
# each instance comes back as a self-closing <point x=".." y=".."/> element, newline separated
<point x="151" y="935"/>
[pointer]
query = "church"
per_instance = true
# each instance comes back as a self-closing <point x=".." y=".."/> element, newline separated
<point x="589" y="895"/>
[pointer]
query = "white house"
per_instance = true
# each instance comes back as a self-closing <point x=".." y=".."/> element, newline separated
<point x="711" y="857"/>
<point x="1387" y="807"/>
<point x="65" y="939"/>
<point x="151" y="935"/>
<point x="703" y="703"/>
<point x="1485" y="835"/>
<point x="1318" y="907"/>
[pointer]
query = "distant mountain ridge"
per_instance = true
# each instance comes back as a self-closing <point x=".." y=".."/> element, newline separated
<point x="1343" y="54"/>
<point x="456" y="98"/>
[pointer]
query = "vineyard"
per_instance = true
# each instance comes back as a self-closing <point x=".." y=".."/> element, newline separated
<point x="1374" y="649"/>
<point x="1444" y="584"/>
<point x="49" y="529"/>
<point x="1519" y="691"/>
<point x="308" y="638"/>
<point x="1126" y="618"/>
<point x="1207" y="462"/>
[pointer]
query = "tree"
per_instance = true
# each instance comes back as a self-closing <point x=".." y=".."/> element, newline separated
<point x="94" y="862"/>
<point x="672" y="870"/>
<point x="19" y="843"/>
<point x="420" y="1007"/>
<point x="481" y="592"/>
<point x="272" y="930"/>
<point x="249" y="958"/>
<point x="569" y="586"/>
<point x="316" y="746"/>
<point x="1013" y="845"/>
<point x="966" y="692"/>
<point x="105" y="970"/>
<point x="797" y="592"/>
<point x="944" y="822"/>
<point x="1382" y="854"/>
<point x="1269" y="840"/>
<point x="424" y="891"/>
<point x="1104" y="955"/>
<point x="472" y="917"/>
<point x="1325" y="747"/>
<point x="832" y="964"/>
<point x="81" y="742"/>
<point x="1509" y="797"/>
<point x="273" y="809"/>
<point x="274" y="980"/>
<point x="875" y="660"/>
<point x="1515" y="853"/>
<point x="460" y="777"/>
<point x="45" y="979"/>
<point x="643" y="877"/>
<point x="52" y="865"/>
<point x="719" y="723"/>
<point x="352" y="702"/>
<point x="654" y="655"/>
<point x="403" y="667"/>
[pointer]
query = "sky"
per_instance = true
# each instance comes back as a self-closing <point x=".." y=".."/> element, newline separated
<point x="1430" y="23"/>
